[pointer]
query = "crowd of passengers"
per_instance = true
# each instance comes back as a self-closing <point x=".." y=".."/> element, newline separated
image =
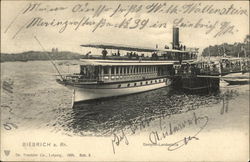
<point x="196" y="69"/>
<point x="230" y="66"/>
<point x="154" y="55"/>
<point x="206" y="68"/>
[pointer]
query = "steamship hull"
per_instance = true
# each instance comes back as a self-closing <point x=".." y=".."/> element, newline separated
<point x="125" y="70"/>
<point x="91" y="92"/>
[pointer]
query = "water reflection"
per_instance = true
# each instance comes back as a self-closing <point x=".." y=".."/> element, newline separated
<point x="102" y="117"/>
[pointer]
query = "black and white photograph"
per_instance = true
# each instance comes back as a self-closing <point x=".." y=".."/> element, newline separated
<point x="124" y="80"/>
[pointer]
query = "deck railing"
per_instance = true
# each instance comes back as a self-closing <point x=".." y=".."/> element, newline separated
<point x="109" y="78"/>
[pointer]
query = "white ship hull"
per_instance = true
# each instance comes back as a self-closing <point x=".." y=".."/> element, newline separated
<point x="117" y="89"/>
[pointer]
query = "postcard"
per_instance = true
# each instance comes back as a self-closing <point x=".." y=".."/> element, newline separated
<point x="125" y="80"/>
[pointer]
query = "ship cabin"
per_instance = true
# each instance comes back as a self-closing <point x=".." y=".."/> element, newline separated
<point x="127" y="64"/>
<point x="122" y="71"/>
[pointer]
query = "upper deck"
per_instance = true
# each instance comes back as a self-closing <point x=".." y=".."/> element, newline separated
<point x="137" y="54"/>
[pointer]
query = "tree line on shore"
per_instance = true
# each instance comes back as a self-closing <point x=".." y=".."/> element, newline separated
<point x="240" y="49"/>
<point x="39" y="55"/>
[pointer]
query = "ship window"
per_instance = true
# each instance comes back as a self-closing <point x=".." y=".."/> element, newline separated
<point x="112" y="70"/>
<point x="83" y="70"/>
<point x="155" y="81"/>
<point x="141" y="83"/>
<point x="146" y="82"/>
<point x="123" y="70"/>
<point x="117" y="70"/>
<point x="119" y="86"/>
<point x="135" y="84"/>
<point x="128" y="85"/>
<point x="151" y="81"/>
<point x="105" y="70"/>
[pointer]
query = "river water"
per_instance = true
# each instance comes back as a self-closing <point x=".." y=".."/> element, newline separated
<point x="36" y="101"/>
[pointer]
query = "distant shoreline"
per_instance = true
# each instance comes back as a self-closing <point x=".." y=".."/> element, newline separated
<point x="38" y="60"/>
<point x="39" y="56"/>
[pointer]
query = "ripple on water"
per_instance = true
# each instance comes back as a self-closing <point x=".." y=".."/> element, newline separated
<point x="105" y="116"/>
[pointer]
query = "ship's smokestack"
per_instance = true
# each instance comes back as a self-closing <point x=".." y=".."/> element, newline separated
<point x="176" y="43"/>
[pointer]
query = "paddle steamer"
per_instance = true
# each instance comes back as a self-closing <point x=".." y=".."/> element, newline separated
<point x="110" y="74"/>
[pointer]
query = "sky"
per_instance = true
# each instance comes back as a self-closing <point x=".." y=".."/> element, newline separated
<point x="16" y="36"/>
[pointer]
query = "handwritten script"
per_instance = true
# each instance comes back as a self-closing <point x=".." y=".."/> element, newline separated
<point x="139" y="16"/>
<point x="7" y="86"/>
<point x="156" y="137"/>
<point x="116" y="141"/>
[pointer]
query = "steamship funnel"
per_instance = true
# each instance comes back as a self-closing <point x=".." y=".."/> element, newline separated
<point x="176" y="42"/>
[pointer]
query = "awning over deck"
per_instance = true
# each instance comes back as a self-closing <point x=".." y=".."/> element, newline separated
<point x="130" y="48"/>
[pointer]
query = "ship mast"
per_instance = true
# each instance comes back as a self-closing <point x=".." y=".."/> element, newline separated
<point x="49" y="58"/>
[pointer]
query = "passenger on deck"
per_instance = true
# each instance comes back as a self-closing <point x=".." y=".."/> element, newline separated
<point x="192" y="68"/>
<point x="154" y="56"/>
<point x="88" y="53"/>
<point x="197" y="70"/>
<point x="130" y="55"/>
<point x="172" y="71"/>
<point x="104" y="53"/>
